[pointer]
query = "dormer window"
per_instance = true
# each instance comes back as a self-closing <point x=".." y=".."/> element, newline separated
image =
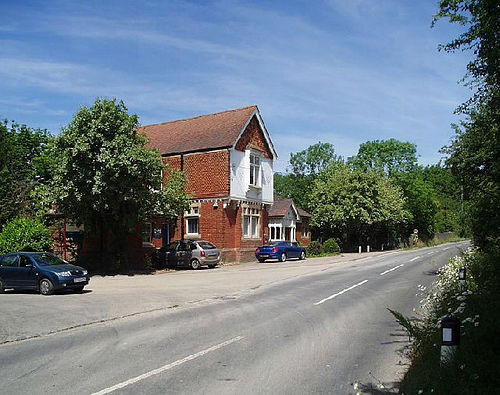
<point x="254" y="170"/>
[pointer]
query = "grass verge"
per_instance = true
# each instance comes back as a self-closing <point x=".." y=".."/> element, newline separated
<point x="474" y="369"/>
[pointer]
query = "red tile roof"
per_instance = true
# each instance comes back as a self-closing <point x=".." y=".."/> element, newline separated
<point x="303" y="213"/>
<point x="205" y="132"/>
<point x="281" y="206"/>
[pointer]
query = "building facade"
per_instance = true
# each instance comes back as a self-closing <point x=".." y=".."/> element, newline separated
<point x="288" y="222"/>
<point x="227" y="159"/>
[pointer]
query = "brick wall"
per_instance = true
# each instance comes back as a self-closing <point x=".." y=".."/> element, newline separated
<point x="304" y="241"/>
<point x="223" y="227"/>
<point x="253" y="136"/>
<point x="208" y="177"/>
<point x="207" y="173"/>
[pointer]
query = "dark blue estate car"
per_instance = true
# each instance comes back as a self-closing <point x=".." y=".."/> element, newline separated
<point x="280" y="250"/>
<point x="41" y="271"/>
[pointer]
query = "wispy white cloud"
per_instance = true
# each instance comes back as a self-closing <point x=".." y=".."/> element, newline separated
<point x="334" y="71"/>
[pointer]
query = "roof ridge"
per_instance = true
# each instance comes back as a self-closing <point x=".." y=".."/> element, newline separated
<point x="199" y="116"/>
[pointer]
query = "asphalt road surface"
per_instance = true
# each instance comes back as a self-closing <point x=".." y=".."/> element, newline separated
<point x="302" y="327"/>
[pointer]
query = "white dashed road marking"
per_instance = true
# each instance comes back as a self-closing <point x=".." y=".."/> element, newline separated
<point x="341" y="292"/>
<point x="167" y="367"/>
<point x="390" y="270"/>
<point x="414" y="259"/>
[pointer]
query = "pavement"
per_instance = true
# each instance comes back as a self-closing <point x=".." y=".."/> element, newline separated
<point x="28" y="315"/>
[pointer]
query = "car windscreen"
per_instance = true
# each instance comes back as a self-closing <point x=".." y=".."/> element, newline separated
<point x="206" y="245"/>
<point x="47" y="259"/>
<point x="275" y="243"/>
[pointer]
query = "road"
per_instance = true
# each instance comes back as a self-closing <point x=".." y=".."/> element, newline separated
<point x="312" y="326"/>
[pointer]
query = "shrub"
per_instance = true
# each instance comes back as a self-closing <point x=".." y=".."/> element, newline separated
<point x="315" y="248"/>
<point x="25" y="234"/>
<point x="330" y="246"/>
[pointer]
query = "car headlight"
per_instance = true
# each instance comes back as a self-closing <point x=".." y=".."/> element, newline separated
<point x="64" y="274"/>
<point x="84" y="272"/>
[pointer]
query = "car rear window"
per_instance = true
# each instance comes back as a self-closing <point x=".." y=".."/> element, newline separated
<point x="206" y="245"/>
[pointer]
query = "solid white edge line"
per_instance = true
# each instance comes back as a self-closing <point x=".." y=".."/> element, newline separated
<point x="390" y="270"/>
<point x="341" y="292"/>
<point x="167" y="367"/>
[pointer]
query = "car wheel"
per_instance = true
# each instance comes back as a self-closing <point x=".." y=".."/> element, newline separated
<point x="195" y="264"/>
<point x="46" y="287"/>
<point x="78" y="289"/>
<point x="302" y="255"/>
<point x="283" y="257"/>
<point x="262" y="260"/>
<point x="212" y="266"/>
<point x="1" y="286"/>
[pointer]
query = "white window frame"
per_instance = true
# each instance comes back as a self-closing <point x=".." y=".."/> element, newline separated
<point x="147" y="233"/>
<point x="250" y="222"/>
<point x="192" y="215"/>
<point x="305" y="230"/>
<point x="255" y="160"/>
<point x="276" y="231"/>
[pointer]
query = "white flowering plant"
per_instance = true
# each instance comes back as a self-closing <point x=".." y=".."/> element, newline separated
<point x="477" y="305"/>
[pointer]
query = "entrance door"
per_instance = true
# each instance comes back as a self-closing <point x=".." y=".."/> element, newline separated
<point x="288" y="234"/>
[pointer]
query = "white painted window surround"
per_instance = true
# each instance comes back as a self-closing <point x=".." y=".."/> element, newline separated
<point x="251" y="222"/>
<point x="192" y="218"/>
<point x="240" y="187"/>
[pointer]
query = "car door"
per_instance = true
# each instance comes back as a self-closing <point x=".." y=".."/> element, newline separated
<point x="172" y="254"/>
<point x="289" y="250"/>
<point x="296" y="249"/>
<point x="8" y="270"/>
<point x="184" y="253"/>
<point x="27" y="273"/>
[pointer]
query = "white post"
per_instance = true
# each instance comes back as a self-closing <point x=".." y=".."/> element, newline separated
<point x="368" y="248"/>
<point x="359" y="249"/>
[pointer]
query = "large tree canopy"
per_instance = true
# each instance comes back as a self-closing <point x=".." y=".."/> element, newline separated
<point x="105" y="177"/>
<point x="388" y="156"/>
<point x="305" y="167"/>
<point x="20" y="168"/>
<point x="475" y="150"/>
<point x="355" y="205"/>
<point x="313" y="160"/>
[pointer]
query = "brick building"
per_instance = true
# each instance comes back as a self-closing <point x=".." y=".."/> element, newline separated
<point x="288" y="222"/>
<point x="227" y="159"/>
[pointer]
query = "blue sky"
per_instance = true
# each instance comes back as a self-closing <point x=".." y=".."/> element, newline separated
<point x="337" y="71"/>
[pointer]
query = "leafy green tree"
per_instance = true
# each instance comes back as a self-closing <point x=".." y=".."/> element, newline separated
<point x="475" y="151"/>
<point x="421" y="202"/>
<point x="20" y="169"/>
<point x="25" y="234"/>
<point x="354" y="206"/>
<point x="313" y="160"/>
<point x="475" y="160"/>
<point x="107" y="180"/>
<point x="388" y="156"/>
<point x="482" y="18"/>
<point x="305" y="166"/>
<point x="448" y="194"/>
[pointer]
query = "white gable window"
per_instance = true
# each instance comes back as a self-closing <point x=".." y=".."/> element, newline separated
<point x="251" y="221"/>
<point x="254" y="170"/>
<point x="192" y="221"/>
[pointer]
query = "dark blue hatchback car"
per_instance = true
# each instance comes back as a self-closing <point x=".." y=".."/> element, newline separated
<point x="41" y="271"/>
